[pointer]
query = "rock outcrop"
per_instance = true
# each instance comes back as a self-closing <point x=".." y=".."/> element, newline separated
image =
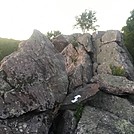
<point x="33" y="80"/>
<point x="116" y="85"/>
<point x="60" y="42"/>
<point x="111" y="52"/>
<point x="76" y="84"/>
<point x="78" y="61"/>
<point x="107" y="114"/>
<point x="97" y="121"/>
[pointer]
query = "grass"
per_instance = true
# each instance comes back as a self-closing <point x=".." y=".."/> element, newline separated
<point x="78" y="111"/>
<point x="117" y="70"/>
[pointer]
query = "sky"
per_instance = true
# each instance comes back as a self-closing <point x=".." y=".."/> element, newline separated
<point x="20" y="17"/>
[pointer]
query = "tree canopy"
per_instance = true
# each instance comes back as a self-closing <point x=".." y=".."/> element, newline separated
<point x="86" y="21"/>
<point x="128" y="32"/>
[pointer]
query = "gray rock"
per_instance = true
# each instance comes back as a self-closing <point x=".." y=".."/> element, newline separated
<point x="78" y="65"/>
<point x="113" y="54"/>
<point x="112" y="36"/>
<point x="69" y="122"/>
<point x="66" y="123"/>
<point x="28" y="124"/>
<point x="34" y="80"/>
<point x="76" y="78"/>
<point x="86" y="41"/>
<point x="71" y="37"/>
<point x="60" y="42"/>
<point x="96" y="121"/>
<point x="118" y="106"/>
<point x="116" y="85"/>
<point x="95" y="66"/>
<point x="98" y="35"/>
<point x="110" y="50"/>
<point x="4" y="85"/>
<point x="81" y="95"/>
<point x="97" y="43"/>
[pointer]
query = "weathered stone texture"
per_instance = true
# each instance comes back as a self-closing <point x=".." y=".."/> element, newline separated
<point x="45" y="85"/>
<point x="116" y="85"/>
<point x="32" y="79"/>
<point x="96" y="121"/>
<point x="78" y="62"/>
<point x="60" y="42"/>
<point x="111" y="51"/>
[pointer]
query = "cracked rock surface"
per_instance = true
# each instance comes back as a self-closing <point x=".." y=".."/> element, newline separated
<point x="78" y="61"/>
<point x="97" y="121"/>
<point x="76" y="84"/>
<point x="32" y="79"/>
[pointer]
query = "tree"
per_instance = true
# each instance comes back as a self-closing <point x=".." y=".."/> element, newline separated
<point x="86" y="21"/>
<point x="53" y="34"/>
<point x="128" y="34"/>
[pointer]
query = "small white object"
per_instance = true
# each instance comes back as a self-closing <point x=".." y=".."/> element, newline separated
<point x="76" y="98"/>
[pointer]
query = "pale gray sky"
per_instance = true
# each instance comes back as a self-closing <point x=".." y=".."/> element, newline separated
<point x="20" y="17"/>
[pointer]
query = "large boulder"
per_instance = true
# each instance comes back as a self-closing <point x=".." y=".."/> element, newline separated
<point x="119" y="106"/>
<point x="86" y="41"/>
<point x="32" y="79"/>
<point x="79" y="62"/>
<point x="116" y="85"/>
<point x="30" y="123"/>
<point x="60" y="42"/>
<point x="112" y="52"/>
<point x="97" y="121"/>
<point x="112" y="36"/>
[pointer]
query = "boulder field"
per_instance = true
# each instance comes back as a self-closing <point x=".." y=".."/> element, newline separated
<point x="73" y="84"/>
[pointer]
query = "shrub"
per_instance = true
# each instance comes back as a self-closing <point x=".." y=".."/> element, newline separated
<point x="86" y="21"/>
<point x="78" y="111"/>
<point x="74" y="59"/>
<point x="117" y="70"/>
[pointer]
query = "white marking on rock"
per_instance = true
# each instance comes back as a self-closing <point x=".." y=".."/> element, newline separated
<point x="76" y="98"/>
<point x="21" y="130"/>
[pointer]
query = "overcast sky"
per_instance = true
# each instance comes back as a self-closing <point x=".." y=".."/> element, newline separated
<point x="20" y="17"/>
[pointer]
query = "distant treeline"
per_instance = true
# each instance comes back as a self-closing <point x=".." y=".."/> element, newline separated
<point x="7" y="46"/>
<point x="128" y="32"/>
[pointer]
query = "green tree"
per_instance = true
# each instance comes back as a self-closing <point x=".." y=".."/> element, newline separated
<point x="128" y="34"/>
<point x="86" y="21"/>
<point x="53" y="34"/>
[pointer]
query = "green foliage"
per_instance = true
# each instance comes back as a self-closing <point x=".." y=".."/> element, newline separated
<point x="86" y="21"/>
<point x="74" y="59"/>
<point x="7" y="46"/>
<point x="74" y="42"/>
<point x="117" y="70"/>
<point x="128" y="34"/>
<point x="79" y="111"/>
<point x="52" y="34"/>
